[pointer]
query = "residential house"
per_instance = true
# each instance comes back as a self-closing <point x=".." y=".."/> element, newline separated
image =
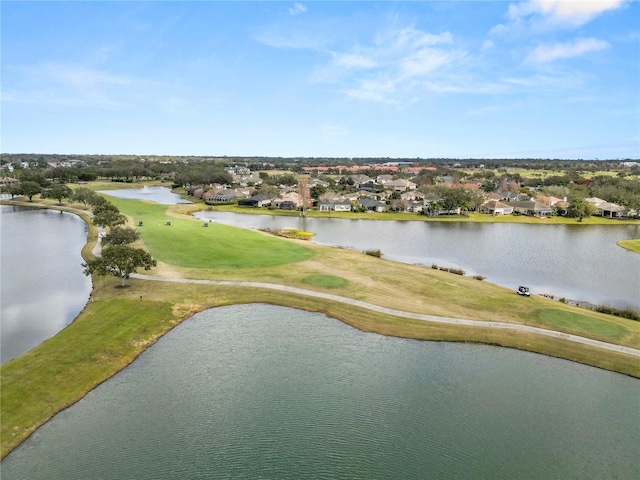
<point x="531" y="207"/>
<point x="359" y="179"/>
<point x="371" y="187"/>
<point x="371" y="205"/>
<point x="401" y="185"/>
<point x="495" y="207"/>
<point x="334" y="206"/>
<point x="255" y="201"/>
<point x="384" y="179"/>
<point x="227" y="195"/>
<point x="406" y="206"/>
<point x="414" y="207"/>
<point x="246" y="180"/>
<point x="611" y="210"/>
<point x="411" y="196"/>
<point x="433" y="207"/>
<point x="289" y="201"/>
<point x="607" y="209"/>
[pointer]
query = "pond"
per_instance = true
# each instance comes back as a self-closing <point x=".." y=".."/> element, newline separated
<point x="576" y="262"/>
<point x="43" y="287"/>
<point x="573" y="261"/>
<point x="161" y="195"/>
<point x="257" y="391"/>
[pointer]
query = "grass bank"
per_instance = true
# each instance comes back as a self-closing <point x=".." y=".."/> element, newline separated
<point x="472" y="217"/>
<point x="632" y="245"/>
<point x="120" y="323"/>
<point x="114" y="329"/>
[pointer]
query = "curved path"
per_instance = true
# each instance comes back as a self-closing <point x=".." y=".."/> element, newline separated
<point x="399" y="313"/>
<point x="336" y="298"/>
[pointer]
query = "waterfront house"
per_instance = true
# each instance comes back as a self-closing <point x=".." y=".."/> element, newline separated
<point x="371" y="205"/>
<point x="255" y="201"/>
<point x="334" y="206"/>
<point x="531" y="207"/>
<point x="606" y="209"/>
<point x="495" y="207"/>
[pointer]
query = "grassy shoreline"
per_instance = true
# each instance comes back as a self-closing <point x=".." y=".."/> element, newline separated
<point x="119" y="324"/>
<point x="631" y="245"/>
<point x="471" y="217"/>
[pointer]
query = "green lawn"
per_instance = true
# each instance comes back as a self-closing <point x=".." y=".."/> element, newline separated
<point x="120" y="323"/>
<point x="473" y="217"/>
<point x="580" y="324"/>
<point x="632" y="245"/>
<point x="187" y="243"/>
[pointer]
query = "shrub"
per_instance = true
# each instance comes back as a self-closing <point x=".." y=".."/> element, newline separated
<point x="630" y="313"/>
<point x="457" y="271"/>
<point x="373" y="253"/>
<point x="479" y="277"/>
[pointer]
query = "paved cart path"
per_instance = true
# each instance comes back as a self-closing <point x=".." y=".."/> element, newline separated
<point x="336" y="298"/>
<point x="399" y="313"/>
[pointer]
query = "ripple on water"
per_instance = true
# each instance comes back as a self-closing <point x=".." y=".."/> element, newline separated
<point x="258" y="391"/>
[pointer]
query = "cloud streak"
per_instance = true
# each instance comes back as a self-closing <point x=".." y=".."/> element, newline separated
<point x="550" y="14"/>
<point x="572" y="49"/>
<point x="297" y="9"/>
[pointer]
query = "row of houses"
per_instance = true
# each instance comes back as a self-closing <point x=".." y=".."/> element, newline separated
<point x="430" y="205"/>
<point x="410" y="200"/>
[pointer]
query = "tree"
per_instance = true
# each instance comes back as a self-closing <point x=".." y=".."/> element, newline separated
<point x="83" y="195"/>
<point x="270" y="191"/>
<point x="579" y="208"/>
<point x="317" y="191"/>
<point x="120" y="236"/>
<point x="15" y="190"/>
<point x="119" y="261"/>
<point x="107" y="215"/>
<point x="29" y="189"/>
<point x="58" y="191"/>
<point x="454" y="198"/>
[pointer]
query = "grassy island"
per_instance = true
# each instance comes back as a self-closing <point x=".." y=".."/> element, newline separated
<point x="632" y="245"/>
<point x="119" y="323"/>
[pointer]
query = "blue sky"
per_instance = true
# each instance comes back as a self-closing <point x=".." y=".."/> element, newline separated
<point x="543" y="79"/>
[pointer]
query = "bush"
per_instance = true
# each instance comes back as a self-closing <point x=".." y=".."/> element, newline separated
<point x="479" y="277"/>
<point x="373" y="253"/>
<point x="630" y="313"/>
<point x="457" y="271"/>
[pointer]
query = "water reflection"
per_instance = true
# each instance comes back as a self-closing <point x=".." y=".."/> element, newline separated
<point x="43" y="287"/>
<point x="257" y="391"/>
<point x="160" y="195"/>
<point x="576" y="262"/>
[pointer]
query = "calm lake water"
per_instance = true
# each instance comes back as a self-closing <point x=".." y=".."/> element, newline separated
<point x="576" y="262"/>
<point x="160" y="195"/>
<point x="258" y="391"/>
<point x="572" y="261"/>
<point x="43" y="287"/>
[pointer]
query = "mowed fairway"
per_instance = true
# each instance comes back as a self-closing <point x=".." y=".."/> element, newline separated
<point x="189" y="250"/>
<point x="187" y="243"/>
<point x="119" y="323"/>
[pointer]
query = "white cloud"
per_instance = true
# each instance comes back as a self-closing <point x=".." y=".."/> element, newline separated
<point x="374" y="90"/>
<point x="575" y="48"/>
<point x="425" y="61"/>
<point x="297" y="9"/>
<point x="353" y="60"/>
<point x="395" y="64"/>
<point x="71" y="75"/>
<point x="574" y="12"/>
<point x="554" y="13"/>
